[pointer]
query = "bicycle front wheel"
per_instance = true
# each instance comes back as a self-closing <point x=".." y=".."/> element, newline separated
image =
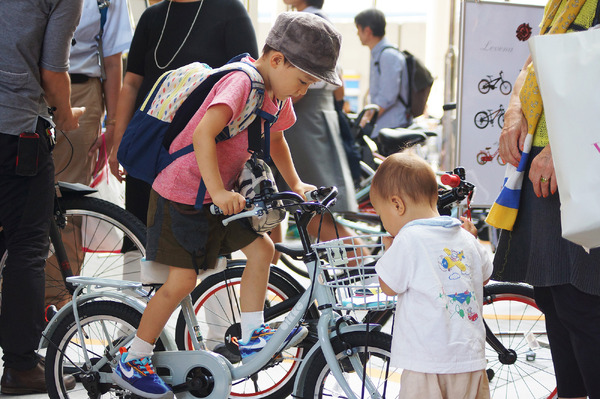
<point x="505" y="88"/>
<point x="105" y="325"/>
<point x="101" y="239"/>
<point x="217" y="306"/>
<point x="371" y="351"/>
<point x="520" y="362"/>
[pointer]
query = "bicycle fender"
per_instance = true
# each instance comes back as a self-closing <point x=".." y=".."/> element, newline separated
<point x="315" y="351"/>
<point x="82" y="299"/>
<point x="74" y="189"/>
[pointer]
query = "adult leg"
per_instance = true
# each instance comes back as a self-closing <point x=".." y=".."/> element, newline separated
<point x="25" y="209"/>
<point x="72" y="164"/>
<point x="569" y="378"/>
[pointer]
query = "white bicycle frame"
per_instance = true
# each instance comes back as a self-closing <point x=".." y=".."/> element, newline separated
<point x="180" y="363"/>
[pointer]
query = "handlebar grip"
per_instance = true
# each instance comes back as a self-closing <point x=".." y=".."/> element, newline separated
<point x="449" y="106"/>
<point x="450" y="180"/>
<point x="215" y="210"/>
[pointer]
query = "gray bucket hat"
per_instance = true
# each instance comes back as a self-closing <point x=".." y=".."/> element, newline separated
<point x="309" y="42"/>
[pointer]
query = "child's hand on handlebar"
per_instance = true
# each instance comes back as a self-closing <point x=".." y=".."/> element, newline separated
<point x="469" y="226"/>
<point x="229" y="202"/>
<point x="301" y="188"/>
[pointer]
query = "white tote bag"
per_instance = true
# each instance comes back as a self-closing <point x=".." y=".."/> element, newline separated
<point x="568" y="72"/>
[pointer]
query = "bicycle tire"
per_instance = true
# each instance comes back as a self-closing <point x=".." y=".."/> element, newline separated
<point x="373" y="346"/>
<point x="512" y="315"/>
<point x="220" y="292"/>
<point x="480" y="156"/>
<point x="105" y="323"/>
<point x="107" y="227"/>
<point x="483" y="86"/>
<point x="482" y="119"/>
<point x="501" y="161"/>
<point x="505" y="87"/>
<point x="501" y="120"/>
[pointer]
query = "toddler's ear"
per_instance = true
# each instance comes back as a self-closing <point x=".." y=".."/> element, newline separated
<point x="399" y="204"/>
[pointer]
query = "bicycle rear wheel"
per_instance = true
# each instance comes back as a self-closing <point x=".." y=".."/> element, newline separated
<point x="102" y="240"/>
<point x="526" y="369"/>
<point x="105" y="325"/>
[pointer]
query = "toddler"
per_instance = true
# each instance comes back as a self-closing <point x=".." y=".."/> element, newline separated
<point x="438" y="271"/>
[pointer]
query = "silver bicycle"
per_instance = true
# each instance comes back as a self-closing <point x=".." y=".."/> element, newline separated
<point x="344" y="358"/>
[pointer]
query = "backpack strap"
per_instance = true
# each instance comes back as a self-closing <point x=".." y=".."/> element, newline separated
<point x="405" y="103"/>
<point x="103" y="8"/>
<point x="253" y="121"/>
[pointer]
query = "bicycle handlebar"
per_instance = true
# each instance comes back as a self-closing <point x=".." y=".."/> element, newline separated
<point x="460" y="188"/>
<point x="323" y="197"/>
<point x="451" y="180"/>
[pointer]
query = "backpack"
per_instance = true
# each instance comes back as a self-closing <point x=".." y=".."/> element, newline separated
<point x="420" y="82"/>
<point x="256" y="178"/>
<point x="169" y="106"/>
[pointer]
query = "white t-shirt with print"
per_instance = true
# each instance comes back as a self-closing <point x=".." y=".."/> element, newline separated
<point x="438" y="269"/>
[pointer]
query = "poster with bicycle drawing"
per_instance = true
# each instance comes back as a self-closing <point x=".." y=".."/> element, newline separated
<point x="493" y="50"/>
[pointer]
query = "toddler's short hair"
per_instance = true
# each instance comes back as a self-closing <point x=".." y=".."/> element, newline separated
<point x="406" y="175"/>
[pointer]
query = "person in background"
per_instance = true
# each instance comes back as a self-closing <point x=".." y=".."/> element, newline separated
<point x="388" y="76"/>
<point x="171" y="34"/>
<point x="35" y="41"/>
<point x="96" y="72"/>
<point x="316" y="143"/>
<point x="438" y="269"/>
<point x="565" y="278"/>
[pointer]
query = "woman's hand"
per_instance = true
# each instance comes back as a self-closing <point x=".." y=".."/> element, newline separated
<point x="542" y="174"/>
<point x="115" y="167"/>
<point x="513" y="135"/>
<point x="229" y="202"/>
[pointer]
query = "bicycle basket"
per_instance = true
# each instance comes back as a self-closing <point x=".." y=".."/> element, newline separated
<point x="349" y="273"/>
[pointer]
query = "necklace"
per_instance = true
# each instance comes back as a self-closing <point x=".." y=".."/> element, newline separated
<point x="184" y="40"/>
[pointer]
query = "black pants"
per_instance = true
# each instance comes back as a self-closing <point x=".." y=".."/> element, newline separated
<point x="573" y="325"/>
<point x="26" y="204"/>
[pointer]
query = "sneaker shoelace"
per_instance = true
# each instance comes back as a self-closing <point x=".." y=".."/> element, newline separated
<point x="143" y="364"/>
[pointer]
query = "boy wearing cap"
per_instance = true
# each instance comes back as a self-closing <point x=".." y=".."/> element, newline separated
<point x="290" y="62"/>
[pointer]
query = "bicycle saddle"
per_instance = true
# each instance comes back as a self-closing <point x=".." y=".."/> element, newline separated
<point x="391" y="141"/>
<point x="77" y="189"/>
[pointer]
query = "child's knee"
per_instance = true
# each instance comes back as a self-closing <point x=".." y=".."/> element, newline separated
<point x="181" y="280"/>
<point x="261" y="249"/>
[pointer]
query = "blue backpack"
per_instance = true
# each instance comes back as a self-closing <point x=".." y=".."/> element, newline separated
<point x="167" y="109"/>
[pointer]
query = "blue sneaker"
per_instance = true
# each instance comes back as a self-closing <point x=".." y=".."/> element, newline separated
<point x="139" y="377"/>
<point x="262" y="335"/>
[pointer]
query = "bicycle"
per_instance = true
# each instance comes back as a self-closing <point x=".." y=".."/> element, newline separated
<point x="85" y="336"/>
<point x="485" y="156"/>
<point x="485" y="85"/>
<point x="484" y="118"/>
<point x="510" y="312"/>
<point x="110" y="239"/>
